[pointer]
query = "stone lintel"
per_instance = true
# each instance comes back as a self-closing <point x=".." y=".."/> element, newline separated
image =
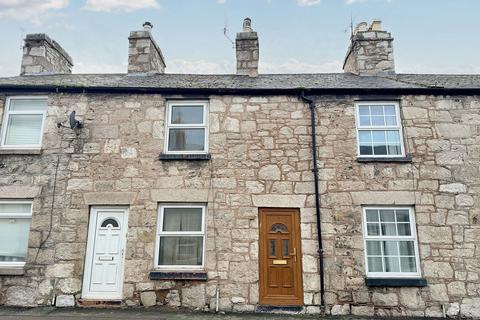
<point x="279" y="201"/>
<point x="180" y="195"/>
<point x="383" y="197"/>
<point x="20" y="192"/>
<point x="107" y="198"/>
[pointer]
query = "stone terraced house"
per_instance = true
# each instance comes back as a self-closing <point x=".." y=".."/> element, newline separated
<point x="206" y="191"/>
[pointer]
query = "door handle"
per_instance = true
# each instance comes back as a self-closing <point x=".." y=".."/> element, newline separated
<point x="294" y="254"/>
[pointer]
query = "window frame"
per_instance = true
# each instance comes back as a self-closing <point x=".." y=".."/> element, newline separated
<point x="160" y="233"/>
<point x="413" y="237"/>
<point x="6" y="117"/>
<point x="16" y="264"/>
<point x="379" y="128"/>
<point x="169" y="125"/>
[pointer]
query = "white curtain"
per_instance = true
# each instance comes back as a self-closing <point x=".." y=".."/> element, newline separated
<point x="23" y="129"/>
<point x="14" y="239"/>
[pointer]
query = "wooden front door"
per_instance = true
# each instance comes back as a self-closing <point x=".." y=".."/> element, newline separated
<point x="280" y="257"/>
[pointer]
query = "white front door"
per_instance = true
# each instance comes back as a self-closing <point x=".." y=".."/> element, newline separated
<point x="103" y="276"/>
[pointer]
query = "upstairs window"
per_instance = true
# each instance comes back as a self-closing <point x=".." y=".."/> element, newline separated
<point x="15" y="219"/>
<point x="23" y="123"/>
<point x="187" y="128"/>
<point x="379" y="130"/>
<point x="391" y="248"/>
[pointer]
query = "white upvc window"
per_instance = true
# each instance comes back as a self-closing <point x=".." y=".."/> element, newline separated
<point x="186" y="127"/>
<point x="391" y="249"/>
<point x="379" y="130"/>
<point x="180" y="237"/>
<point x="23" y="122"/>
<point x="15" y="219"/>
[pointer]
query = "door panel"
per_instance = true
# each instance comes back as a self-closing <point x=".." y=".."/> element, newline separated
<point x="280" y="257"/>
<point x="103" y="277"/>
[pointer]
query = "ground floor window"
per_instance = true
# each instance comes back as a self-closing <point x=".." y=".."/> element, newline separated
<point x="391" y="248"/>
<point x="180" y="236"/>
<point x="15" y="219"/>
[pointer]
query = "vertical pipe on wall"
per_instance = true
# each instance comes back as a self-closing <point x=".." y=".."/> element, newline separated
<point x="312" y="106"/>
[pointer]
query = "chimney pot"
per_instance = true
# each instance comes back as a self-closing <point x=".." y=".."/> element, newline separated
<point x="247" y="25"/>
<point x="376" y="25"/>
<point x="147" y="26"/>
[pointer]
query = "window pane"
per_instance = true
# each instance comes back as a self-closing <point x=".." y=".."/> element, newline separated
<point x="365" y="121"/>
<point x="394" y="150"/>
<point x="374" y="248"/>
<point x="186" y="140"/>
<point x="404" y="229"/>
<point x="380" y="149"/>
<point x="402" y="216"/>
<point x="28" y="105"/>
<point x="373" y="229"/>
<point x="14" y="239"/>
<point x="378" y="121"/>
<point x="366" y="150"/>
<point x="393" y="137"/>
<point x="375" y="264"/>
<point x="379" y="136"/>
<point x="365" y="137"/>
<point x="376" y="110"/>
<point x="286" y="250"/>
<point x="387" y="215"/>
<point x="180" y="251"/>
<point x="23" y="129"/>
<point x="388" y="229"/>
<point x="182" y="219"/>
<point x="390" y="248"/>
<point x="363" y="110"/>
<point x="15" y="208"/>
<point x="391" y="121"/>
<point x="272" y="249"/>
<point x="408" y="264"/>
<point x="372" y="215"/>
<point x="389" y="110"/>
<point x="391" y="265"/>
<point x="406" y="248"/>
<point x="187" y="115"/>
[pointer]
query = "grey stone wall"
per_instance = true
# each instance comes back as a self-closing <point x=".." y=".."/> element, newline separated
<point x="42" y="55"/>
<point x="261" y="157"/>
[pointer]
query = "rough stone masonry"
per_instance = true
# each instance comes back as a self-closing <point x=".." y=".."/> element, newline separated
<point x="260" y="147"/>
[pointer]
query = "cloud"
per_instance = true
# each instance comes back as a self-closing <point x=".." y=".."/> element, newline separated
<point x="307" y="3"/>
<point x="120" y="5"/>
<point x="296" y="66"/>
<point x="96" y="67"/>
<point x="200" y="66"/>
<point x="35" y="11"/>
<point x="221" y="1"/>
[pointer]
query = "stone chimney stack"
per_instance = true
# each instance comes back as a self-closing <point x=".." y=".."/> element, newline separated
<point x="246" y="46"/>
<point x="370" y="51"/>
<point x="144" y="54"/>
<point x="42" y="55"/>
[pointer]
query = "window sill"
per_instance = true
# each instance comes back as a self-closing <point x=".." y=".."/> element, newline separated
<point x="395" y="282"/>
<point x="20" y="151"/>
<point x="406" y="159"/>
<point x="178" y="275"/>
<point x="195" y="157"/>
<point x="11" y="271"/>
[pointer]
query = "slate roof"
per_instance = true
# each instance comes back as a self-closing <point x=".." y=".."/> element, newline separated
<point x="321" y="81"/>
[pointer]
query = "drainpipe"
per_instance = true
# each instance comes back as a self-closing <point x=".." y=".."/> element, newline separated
<point x="311" y="104"/>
